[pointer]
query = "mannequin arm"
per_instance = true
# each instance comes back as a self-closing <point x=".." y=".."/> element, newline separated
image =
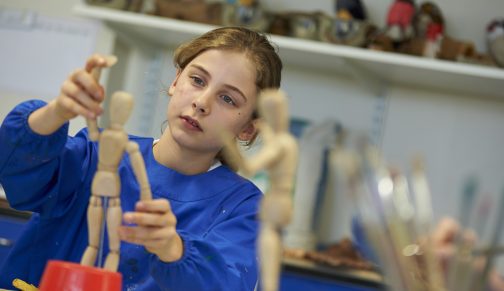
<point x="137" y="162"/>
<point x="92" y="124"/>
<point x="262" y="160"/>
<point x="267" y="155"/>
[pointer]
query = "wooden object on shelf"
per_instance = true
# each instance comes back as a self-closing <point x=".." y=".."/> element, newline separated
<point x="452" y="49"/>
<point x="279" y="24"/>
<point x="348" y="26"/>
<point x="449" y="49"/>
<point x="249" y="15"/>
<point x="197" y="11"/>
<point x="304" y="25"/>
<point x="380" y="42"/>
<point x="414" y="47"/>
<point x="495" y="40"/>
<point x="459" y="78"/>
<point x="297" y="24"/>
<point x="351" y="32"/>
<point x="428" y="19"/>
<point x="463" y="52"/>
<point x="129" y="5"/>
<point x="350" y="9"/>
<point x="400" y="21"/>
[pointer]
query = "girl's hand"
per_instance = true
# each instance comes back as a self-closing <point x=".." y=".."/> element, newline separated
<point x="81" y="94"/>
<point x="444" y="243"/>
<point x="155" y="229"/>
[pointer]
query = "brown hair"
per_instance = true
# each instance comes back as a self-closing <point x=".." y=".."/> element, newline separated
<point x="254" y="44"/>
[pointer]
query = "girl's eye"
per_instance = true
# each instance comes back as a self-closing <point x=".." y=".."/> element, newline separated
<point x="198" y="81"/>
<point x="228" y="99"/>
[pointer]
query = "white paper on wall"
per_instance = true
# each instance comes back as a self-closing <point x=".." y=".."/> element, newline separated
<point x="38" y="52"/>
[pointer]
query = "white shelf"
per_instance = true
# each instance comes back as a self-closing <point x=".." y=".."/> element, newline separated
<point x="386" y="68"/>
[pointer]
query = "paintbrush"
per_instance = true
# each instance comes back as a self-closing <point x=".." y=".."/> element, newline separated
<point x="491" y="254"/>
<point x="370" y="215"/>
<point x="424" y="219"/>
<point x="461" y="263"/>
<point x="381" y="187"/>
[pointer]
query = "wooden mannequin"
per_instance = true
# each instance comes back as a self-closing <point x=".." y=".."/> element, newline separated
<point x="113" y="142"/>
<point x="92" y="124"/>
<point x="278" y="156"/>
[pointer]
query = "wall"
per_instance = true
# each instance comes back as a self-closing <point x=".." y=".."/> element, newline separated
<point x="458" y="135"/>
<point x="53" y="68"/>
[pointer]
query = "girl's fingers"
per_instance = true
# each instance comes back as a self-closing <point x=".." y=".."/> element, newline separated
<point x="84" y="100"/>
<point x="155" y="244"/>
<point x="146" y="234"/>
<point x="156" y="205"/>
<point x="470" y="237"/>
<point x="81" y="94"/>
<point x="95" y="61"/>
<point x="75" y="108"/>
<point x="155" y="224"/>
<point x="73" y="91"/>
<point x="84" y="80"/>
<point x="150" y="219"/>
<point x="445" y="232"/>
<point x="445" y="252"/>
<point x="148" y="244"/>
<point x="100" y="61"/>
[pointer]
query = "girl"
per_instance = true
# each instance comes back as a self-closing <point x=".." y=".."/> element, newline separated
<point x="199" y="231"/>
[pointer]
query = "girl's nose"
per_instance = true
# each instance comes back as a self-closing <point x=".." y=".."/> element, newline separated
<point x="202" y="103"/>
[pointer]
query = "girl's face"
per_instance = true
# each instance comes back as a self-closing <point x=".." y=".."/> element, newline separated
<point x="215" y="92"/>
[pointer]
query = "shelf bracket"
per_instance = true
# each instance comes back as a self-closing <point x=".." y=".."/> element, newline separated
<point x="372" y="82"/>
<point x="378" y="88"/>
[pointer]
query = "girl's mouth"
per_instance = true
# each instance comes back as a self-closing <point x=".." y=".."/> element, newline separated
<point x="191" y="123"/>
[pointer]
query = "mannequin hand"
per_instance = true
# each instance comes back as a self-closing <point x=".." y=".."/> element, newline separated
<point x="155" y="229"/>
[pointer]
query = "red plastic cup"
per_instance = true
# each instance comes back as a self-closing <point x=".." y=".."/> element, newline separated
<point x="66" y="276"/>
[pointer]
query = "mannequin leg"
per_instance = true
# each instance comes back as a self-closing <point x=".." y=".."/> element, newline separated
<point x="114" y="216"/>
<point x="270" y="253"/>
<point x="94" y="218"/>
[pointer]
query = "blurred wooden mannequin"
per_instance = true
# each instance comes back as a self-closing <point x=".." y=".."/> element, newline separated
<point x="278" y="156"/>
<point x="113" y="142"/>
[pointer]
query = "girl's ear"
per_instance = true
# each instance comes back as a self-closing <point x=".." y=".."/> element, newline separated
<point x="174" y="83"/>
<point x="249" y="131"/>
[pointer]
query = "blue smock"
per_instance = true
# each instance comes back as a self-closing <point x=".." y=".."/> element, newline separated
<point x="51" y="176"/>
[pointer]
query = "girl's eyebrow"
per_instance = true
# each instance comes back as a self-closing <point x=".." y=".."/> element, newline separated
<point x="230" y="87"/>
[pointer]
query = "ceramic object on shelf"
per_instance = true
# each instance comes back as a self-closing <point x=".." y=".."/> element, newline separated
<point x="196" y="11"/>
<point x="351" y="32"/>
<point x="130" y="5"/>
<point x="495" y="40"/>
<point x="250" y="16"/>
<point x="400" y="21"/>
